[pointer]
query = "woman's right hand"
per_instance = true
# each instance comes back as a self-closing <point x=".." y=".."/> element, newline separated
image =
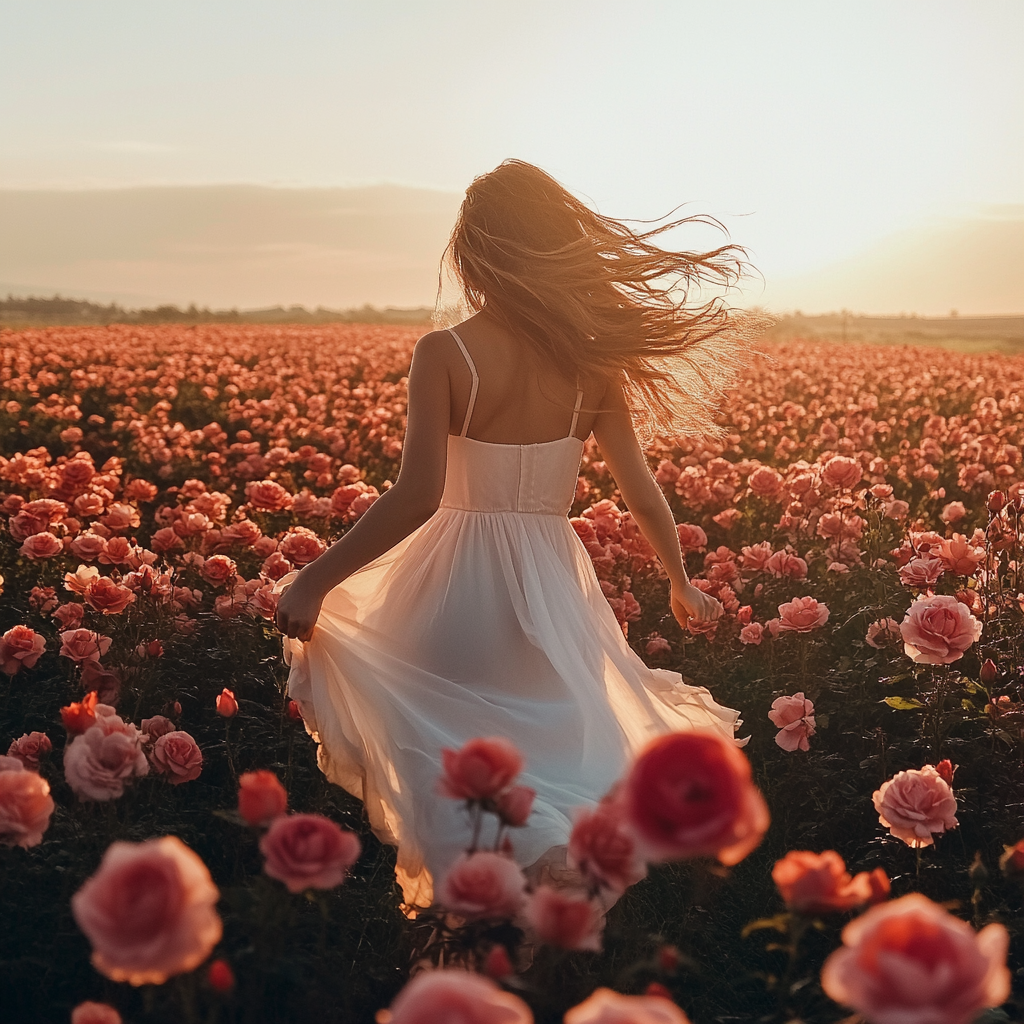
<point x="690" y="603"/>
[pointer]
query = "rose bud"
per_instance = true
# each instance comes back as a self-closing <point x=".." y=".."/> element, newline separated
<point x="261" y="797"/>
<point x="227" y="706"/>
<point x="668" y="959"/>
<point x="989" y="672"/>
<point x="515" y="805"/>
<point x="655" y="988"/>
<point x="220" y="976"/>
<point x="294" y="712"/>
<point x="1012" y="860"/>
<point x="497" y="964"/>
<point x="946" y="769"/>
<point x="996" y="501"/>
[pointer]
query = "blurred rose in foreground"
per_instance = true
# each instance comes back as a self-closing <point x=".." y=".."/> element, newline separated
<point x="149" y="911"/>
<point x="910" y="960"/>
<point x="449" y="996"/>
<point x="25" y="805"/>
<point x="604" y="1006"/>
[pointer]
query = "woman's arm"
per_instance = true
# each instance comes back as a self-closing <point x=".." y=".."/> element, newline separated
<point x="613" y="431"/>
<point x="397" y="512"/>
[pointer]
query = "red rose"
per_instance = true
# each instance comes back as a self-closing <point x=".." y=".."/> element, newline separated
<point x="481" y="769"/>
<point x="308" y="851"/>
<point x="261" y="797"/>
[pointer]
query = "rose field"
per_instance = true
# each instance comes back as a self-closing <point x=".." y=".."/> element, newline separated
<point x="171" y="852"/>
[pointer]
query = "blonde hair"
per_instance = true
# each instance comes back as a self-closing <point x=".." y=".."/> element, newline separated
<point x="598" y="299"/>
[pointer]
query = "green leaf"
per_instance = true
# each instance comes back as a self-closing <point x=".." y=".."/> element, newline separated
<point x="903" y="703"/>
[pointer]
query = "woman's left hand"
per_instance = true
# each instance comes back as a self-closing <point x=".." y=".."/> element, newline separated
<point x="298" y="609"/>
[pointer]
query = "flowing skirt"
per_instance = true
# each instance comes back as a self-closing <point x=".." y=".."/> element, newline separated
<point x="479" y="624"/>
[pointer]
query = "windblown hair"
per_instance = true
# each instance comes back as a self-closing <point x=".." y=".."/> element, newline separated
<point x="596" y="298"/>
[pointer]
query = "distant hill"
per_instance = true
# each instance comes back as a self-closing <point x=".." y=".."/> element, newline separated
<point x="974" y="265"/>
<point x="219" y="246"/>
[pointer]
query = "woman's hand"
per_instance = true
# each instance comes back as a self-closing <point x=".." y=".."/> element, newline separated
<point x="298" y="609"/>
<point x="690" y="603"/>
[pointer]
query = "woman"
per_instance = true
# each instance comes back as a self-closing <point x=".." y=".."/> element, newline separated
<point x="463" y="603"/>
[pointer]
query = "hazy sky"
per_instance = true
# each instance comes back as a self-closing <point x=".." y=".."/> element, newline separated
<point x="811" y="128"/>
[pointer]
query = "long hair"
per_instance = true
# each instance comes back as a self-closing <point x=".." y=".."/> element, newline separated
<point x="596" y="298"/>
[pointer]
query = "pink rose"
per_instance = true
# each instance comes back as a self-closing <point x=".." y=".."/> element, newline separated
<point x="794" y="718"/>
<point x="69" y="615"/>
<point x="887" y="630"/>
<point x="219" y="569"/>
<point x="785" y="563"/>
<point x="41" y="545"/>
<point x="479" y="770"/>
<point x="95" y="1013"/>
<point x="29" y="748"/>
<point x="157" y="726"/>
<point x="267" y="496"/>
<point x="25" y="806"/>
<point x="483" y="885"/>
<point x="148" y="911"/>
<point x="603" y="1006"/>
<point x="691" y="537"/>
<point x="308" y="851"/>
<point x="108" y="597"/>
<point x="953" y="512"/>
<point x="802" y="614"/>
<point x="261" y="797"/>
<point x="602" y="848"/>
<point x="765" y="482"/>
<point x="20" y="647"/>
<point x="842" y="473"/>
<point x="959" y="556"/>
<point x="177" y="755"/>
<point x="83" y="645"/>
<point x="752" y="633"/>
<point x="921" y="572"/>
<point x="937" y="630"/>
<point x="657" y="646"/>
<point x="301" y="546"/>
<point x="79" y="581"/>
<point x="690" y="794"/>
<point x="88" y="546"/>
<point x="444" y="997"/>
<point x="514" y="805"/>
<point x="911" y="961"/>
<point x="897" y="509"/>
<point x="99" y="761"/>
<point x="914" y="804"/>
<point x="818" y="883"/>
<point x="570" y="921"/>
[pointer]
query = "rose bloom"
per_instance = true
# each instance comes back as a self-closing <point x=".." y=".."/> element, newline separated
<point x="454" y="997"/>
<point x="690" y="794"/>
<point x="25" y="806"/>
<point x="105" y="681"/>
<point x="95" y="1013"/>
<point x="107" y="596"/>
<point x="802" y="614"/>
<point x="83" y="645"/>
<point x="29" y="748"/>
<point x="177" y="755"/>
<point x="842" y="473"/>
<point x="116" y="552"/>
<point x="897" y="509"/>
<point x="818" y="883"/>
<point x="479" y="770"/>
<point x="157" y="726"/>
<point x="261" y="797"/>
<point x="691" y="537"/>
<point x="99" y="762"/>
<point x="148" y="911"/>
<point x="888" y="629"/>
<point x="88" y="546"/>
<point x="959" y="556"/>
<point x="219" y="569"/>
<point x="514" y="805"/>
<point x="911" y="962"/>
<point x="794" y="718"/>
<point x="483" y="885"/>
<point x="784" y="563"/>
<point x="308" y="851"/>
<point x="602" y="848"/>
<point x="301" y="546"/>
<point x="752" y="633"/>
<point x="41" y="545"/>
<point x="938" y="629"/>
<point x="765" y="482"/>
<point x="603" y="1006"/>
<point x="921" y="572"/>
<point x="267" y="496"/>
<point x="953" y="512"/>
<point x="569" y="921"/>
<point x="81" y="579"/>
<point x="70" y="615"/>
<point x="20" y="647"/>
<point x="914" y="804"/>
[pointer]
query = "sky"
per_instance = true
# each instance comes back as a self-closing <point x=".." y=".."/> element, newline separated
<point x="812" y="130"/>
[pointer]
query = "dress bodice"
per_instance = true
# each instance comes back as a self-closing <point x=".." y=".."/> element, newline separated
<point x="486" y="477"/>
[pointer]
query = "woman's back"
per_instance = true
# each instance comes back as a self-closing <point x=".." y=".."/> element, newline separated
<point x="519" y="400"/>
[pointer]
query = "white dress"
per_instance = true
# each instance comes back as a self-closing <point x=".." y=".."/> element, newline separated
<point x="488" y="620"/>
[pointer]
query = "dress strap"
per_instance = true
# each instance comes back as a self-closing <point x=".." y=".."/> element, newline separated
<point x="476" y="382"/>
<point x="576" y="411"/>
